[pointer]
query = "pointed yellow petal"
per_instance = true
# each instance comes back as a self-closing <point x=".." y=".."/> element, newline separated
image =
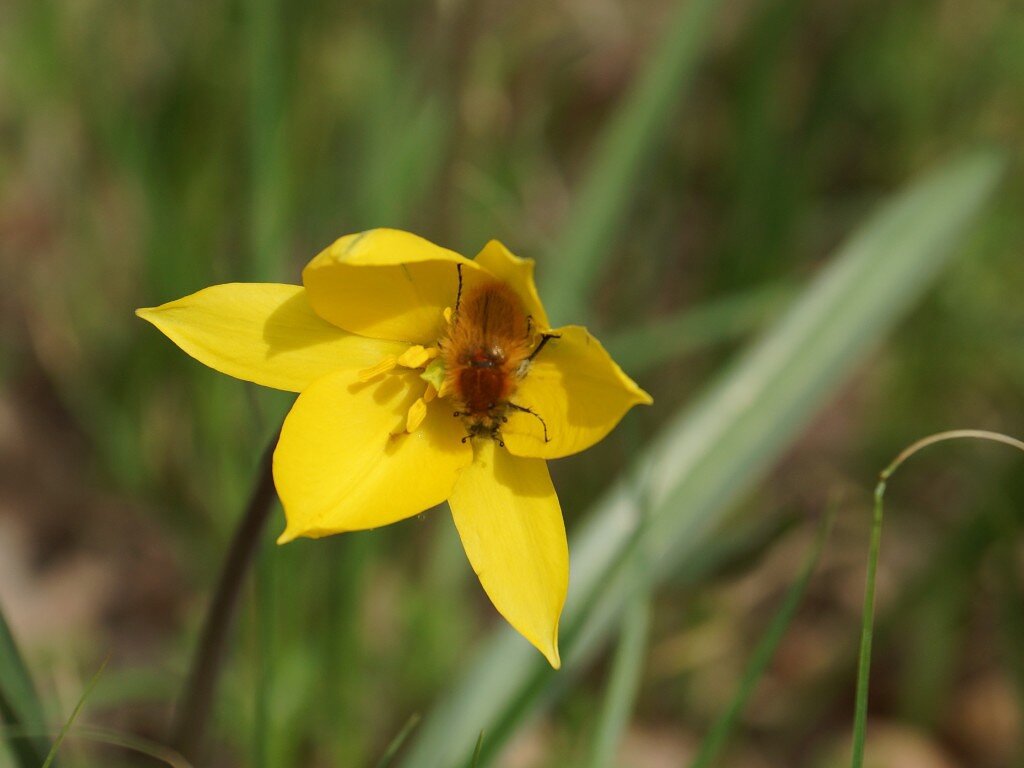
<point x="511" y="526"/>
<point x="518" y="273"/>
<point x="387" y="284"/>
<point x="344" y="462"/>
<point x="263" y="332"/>
<point x="579" y="392"/>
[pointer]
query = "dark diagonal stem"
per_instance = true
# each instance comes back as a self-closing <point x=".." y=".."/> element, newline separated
<point x="193" y="710"/>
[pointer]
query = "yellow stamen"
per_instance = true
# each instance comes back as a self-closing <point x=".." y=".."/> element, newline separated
<point x="417" y="356"/>
<point x="430" y="393"/>
<point x="417" y="413"/>
<point x="448" y="315"/>
<point x="385" y="365"/>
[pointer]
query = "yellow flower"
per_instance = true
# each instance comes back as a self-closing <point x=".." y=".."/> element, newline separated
<point x="422" y="376"/>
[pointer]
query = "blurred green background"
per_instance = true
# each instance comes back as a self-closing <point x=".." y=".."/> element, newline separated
<point x="680" y="172"/>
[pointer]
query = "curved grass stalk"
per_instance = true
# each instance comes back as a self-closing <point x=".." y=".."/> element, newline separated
<point x="868" y="620"/>
<point x="74" y="715"/>
<point x="107" y="736"/>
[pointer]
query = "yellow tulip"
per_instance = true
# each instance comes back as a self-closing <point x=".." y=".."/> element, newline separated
<point x="395" y="414"/>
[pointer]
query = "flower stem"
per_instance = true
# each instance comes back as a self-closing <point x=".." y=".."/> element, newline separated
<point x="193" y="709"/>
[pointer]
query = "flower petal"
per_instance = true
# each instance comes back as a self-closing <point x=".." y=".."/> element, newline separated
<point x="387" y="284"/>
<point x="511" y="526"/>
<point x="345" y="463"/>
<point x="579" y="392"/>
<point x="518" y="273"/>
<point x="263" y="332"/>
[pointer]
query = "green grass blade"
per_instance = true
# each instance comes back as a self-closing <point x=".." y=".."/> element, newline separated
<point x="397" y="742"/>
<point x="477" y="751"/>
<point x="134" y="743"/>
<point x="722" y="729"/>
<point x="74" y="715"/>
<point x="956" y="560"/>
<point x="860" y="716"/>
<point x="20" y="706"/>
<point x="708" y="455"/>
<point x="143" y="746"/>
<point x="623" y="684"/>
<point x="623" y="151"/>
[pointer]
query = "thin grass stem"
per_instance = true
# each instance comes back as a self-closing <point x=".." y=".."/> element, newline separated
<point x="478" y="751"/>
<point x="867" y="622"/>
<point x="398" y="741"/>
<point x="74" y="715"/>
<point x="939" y="437"/>
<point x="769" y="643"/>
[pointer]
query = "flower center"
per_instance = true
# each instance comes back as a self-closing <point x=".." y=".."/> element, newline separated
<point x="486" y="351"/>
<point x="416" y="356"/>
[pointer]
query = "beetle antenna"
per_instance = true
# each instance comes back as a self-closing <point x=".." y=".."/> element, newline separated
<point x="543" y="340"/>
<point x="458" y="295"/>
